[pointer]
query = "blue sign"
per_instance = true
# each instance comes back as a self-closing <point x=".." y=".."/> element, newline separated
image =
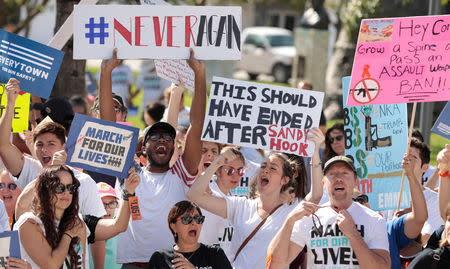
<point x="376" y="139"/>
<point x="9" y="240"/>
<point x="101" y="146"/>
<point x="35" y="65"/>
<point x="91" y="85"/>
<point x="442" y="124"/>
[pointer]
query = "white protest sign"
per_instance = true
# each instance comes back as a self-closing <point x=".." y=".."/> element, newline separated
<point x="172" y="70"/>
<point x="262" y="116"/>
<point x="4" y="246"/>
<point x="157" y="32"/>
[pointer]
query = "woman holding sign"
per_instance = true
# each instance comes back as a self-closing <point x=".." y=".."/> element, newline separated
<point x="256" y="221"/>
<point x="53" y="236"/>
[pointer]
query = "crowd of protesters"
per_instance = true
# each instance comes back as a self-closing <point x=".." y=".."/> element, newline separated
<point x="204" y="204"/>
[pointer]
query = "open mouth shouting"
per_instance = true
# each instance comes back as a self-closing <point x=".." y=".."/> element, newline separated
<point x="264" y="181"/>
<point x="7" y="198"/>
<point x="46" y="160"/>
<point x="161" y="150"/>
<point x="206" y="164"/>
<point x="193" y="233"/>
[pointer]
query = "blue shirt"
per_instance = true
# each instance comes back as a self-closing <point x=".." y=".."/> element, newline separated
<point x="397" y="239"/>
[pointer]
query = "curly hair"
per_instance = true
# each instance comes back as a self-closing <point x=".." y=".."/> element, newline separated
<point x="328" y="152"/>
<point x="44" y="208"/>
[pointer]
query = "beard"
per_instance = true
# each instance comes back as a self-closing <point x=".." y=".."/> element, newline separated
<point x="156" y="163"/>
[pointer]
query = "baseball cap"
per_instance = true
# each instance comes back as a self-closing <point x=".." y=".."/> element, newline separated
<point x="337" y="159"/>
<point x="159" y="125"/>
<point x="105" y="189"/>
<point x="58" y="109"/>
<point x="115" y="97"/>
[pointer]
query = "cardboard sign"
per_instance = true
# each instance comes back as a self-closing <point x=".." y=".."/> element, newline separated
<point x="262" y="116"/>
<point x="21" y="110"/>
<point x="376" y="138"/>
<point x="157" y="32"/>
<point x="101" y="146"/>
<point x="174" y="70"/>
<point x="9" y="246"/>
<point x="35" y="65"/>
<point x="401" y="60"/>
<point x="442" y="124"/>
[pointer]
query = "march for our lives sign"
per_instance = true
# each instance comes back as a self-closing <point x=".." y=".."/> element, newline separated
<point x="35" y="65"/>
<point x="442" y="124"/>
<point x="376" y="139"/>
<point x="101" y="146"/>
<point x="9" y="246"/>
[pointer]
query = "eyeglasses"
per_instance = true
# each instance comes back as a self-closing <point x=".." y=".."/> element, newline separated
<point x="11" y="186"/>
<point x="71" y="188"/>
<point x="338" y="138"/>
<point x="317" y="228"/>
<point x="187" y="219"/>
<point x="111" y="205"/>
<point x="362" y="199"/>
<point x="231" y="171"/>
<point x="117" y="109"/>
<point x="157" y="136"/>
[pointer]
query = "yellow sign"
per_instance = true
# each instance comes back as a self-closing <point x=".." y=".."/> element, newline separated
<point x="21" y="110"/>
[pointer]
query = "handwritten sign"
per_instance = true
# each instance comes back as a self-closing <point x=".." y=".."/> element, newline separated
<point x="401" y="60"/>
<point x="262" y="116"/>
<point x="9" y="246"/>
<point x="174" y="70"/>
<point x="442" y="124"/>
<point x="21" y="110"/>
<point x="101" y="146"/>
<point x="34" y="64"/>
<point x="376" y="138"/>
<point x="157" y="32"/>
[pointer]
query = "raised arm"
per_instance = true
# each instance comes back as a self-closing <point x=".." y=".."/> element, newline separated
<point x="443" y="160"/>
<point x="316" y="192"/>
<point x="282" y="251"/>
<point x="414" y="221"/>
<point x="10" y="154"/>
<point x="198" y="193"/>
<point x="176" y="92"/>
<point x="105" y="101"/>
<point x="192" y="151"/>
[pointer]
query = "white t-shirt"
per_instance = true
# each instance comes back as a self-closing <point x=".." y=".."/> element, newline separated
<point x="4" y="219"/>
<point x="332" y="249"/>
<point x="214" y="224"/>
<point x="243" y="214"/>
<point x="434" y="220"/>
<point x="79" y="247"/>
<point x="121" y="78"/>
<point x="88" y="198"/>
<point x="157" y="194"/>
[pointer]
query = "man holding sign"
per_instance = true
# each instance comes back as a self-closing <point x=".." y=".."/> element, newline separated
<point x="162" y="186"/>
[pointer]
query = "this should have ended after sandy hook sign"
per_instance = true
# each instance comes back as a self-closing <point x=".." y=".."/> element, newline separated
<point x="157" y="32"/>
<point x="262" y="116"/>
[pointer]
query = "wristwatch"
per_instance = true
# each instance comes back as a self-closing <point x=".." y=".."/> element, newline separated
<point x="126" y="195"/>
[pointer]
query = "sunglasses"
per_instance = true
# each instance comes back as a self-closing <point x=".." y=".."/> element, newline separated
<point x="11" y="186"/>
<point x="338" y="138"/>
<point x="60" y="188"/>
<point x="157" y="136"/>
<point x="318" y="228"/>
<point x="362" y="199"/>
<point x="231" y="171"/>
<point x="111" y="205"/>
<point x="187" y="219"/>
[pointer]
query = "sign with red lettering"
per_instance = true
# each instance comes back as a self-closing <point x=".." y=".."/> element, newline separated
<point x="401" y="60"/>
<point x="157" y="32"/>
<point x="262" y="116"/>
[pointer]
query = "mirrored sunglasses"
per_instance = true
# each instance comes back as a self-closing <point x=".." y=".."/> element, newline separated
<point x="338" y="138"/>
<point x="157" y="136"/>
<point x="11" y="186"/>
<point x="187" y="219"/>
<point x="60" y="188"/>
<point x="231" y="171"/>
<point x="362" y="199"/>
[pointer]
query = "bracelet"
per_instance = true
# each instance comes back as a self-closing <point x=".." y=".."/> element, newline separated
<point x="446" y="174"/>
<point x="126" y="195"/>
<point x="69" y="236"/>
<point x="317" y="165"/>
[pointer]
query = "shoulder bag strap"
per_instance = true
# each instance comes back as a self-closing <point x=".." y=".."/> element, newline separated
<point x="254" y="232"/>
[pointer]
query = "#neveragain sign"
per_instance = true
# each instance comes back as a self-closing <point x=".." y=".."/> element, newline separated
<point x="376" y="138"/>
<point x="101" y="146"/>
<point x="157" y="32"/>
<point x="262" y="116"/>
<point x="401" y="60"/>
<point x="35" y="65"/>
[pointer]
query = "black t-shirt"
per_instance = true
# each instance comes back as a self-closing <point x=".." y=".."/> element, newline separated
<point x="205" y="257"/>
<point x="433" y="242"/>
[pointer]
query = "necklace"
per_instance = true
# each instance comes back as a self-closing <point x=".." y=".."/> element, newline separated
<point x="190" y="256"/>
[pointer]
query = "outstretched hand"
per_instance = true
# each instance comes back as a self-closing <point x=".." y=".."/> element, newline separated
<point x="132" y="181"/>
<point x="443" y="159"/>
<point x="316" y="136"/>
<point x="12" y="89"/>
<point x="109" y="64"/>
<point x="196" y="65"/>
<point x="226" y="157"/>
